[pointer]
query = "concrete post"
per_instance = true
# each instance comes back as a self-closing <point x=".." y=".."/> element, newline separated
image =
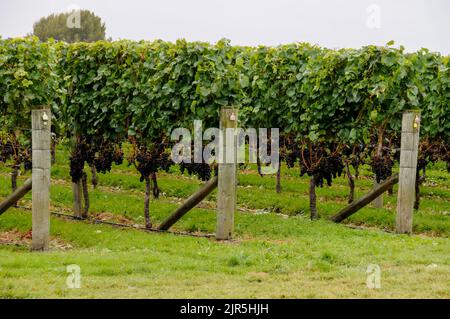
<point x="227" y="183"/>
<point x="408" y="167"/>
<point x="41" y="140"/>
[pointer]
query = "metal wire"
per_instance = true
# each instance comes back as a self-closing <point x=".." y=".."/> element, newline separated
<point x="98" y="221"/>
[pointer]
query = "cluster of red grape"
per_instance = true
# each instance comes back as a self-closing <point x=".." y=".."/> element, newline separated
<point x="382" y="167"/>
<point x="327" y="168"/>
<point x="96" y="153"/>
<point x="314" y="160"/>
<point x="151" y="160"/>
<point x="433" y="151"/>
<point x="6" y="150"/>
<point x="356" y="156"/>
<point x="202" y="170"/>
<point x="105" y="156"/>
<point x="20" y="154"/>
<point x="289" y="151"/>
<point x="383" y="158"/>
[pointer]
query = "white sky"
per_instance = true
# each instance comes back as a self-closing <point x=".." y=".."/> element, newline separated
<point x="329" y="23"/>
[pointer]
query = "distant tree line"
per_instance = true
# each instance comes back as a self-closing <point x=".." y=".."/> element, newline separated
<point x="74" y="26"/>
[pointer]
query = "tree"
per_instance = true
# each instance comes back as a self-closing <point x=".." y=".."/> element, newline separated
<point x="74" y="26"/>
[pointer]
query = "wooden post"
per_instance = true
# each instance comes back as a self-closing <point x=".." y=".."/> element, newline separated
<point x="377" y="202"/>
<point x="227" y="183"/>
<point x="15" y="196"/>
<point x="364" y="200"/>
<point x="190" y="203"/>
<point x="408" y="167"/>
<point x="41" y="140"/>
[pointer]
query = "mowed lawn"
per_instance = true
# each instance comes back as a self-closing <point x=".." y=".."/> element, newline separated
<point x="277" y="251"/>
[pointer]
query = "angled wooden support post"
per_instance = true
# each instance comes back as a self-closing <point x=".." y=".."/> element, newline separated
<point x="41" y="140"/>
<point x="227" y="184"/>
<point x="15" y="196"/>
<point x="190" y="203"/>
<point x="364" y="200"/>
<point x="408" y="167"/>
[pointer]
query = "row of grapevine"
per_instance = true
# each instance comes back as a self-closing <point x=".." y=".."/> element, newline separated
<point x="27" y="79"/>
<point x="334" y="108"/>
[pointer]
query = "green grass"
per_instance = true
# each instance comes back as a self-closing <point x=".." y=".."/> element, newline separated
<point x="277" y="251"/>
<point x="275" y="257"/>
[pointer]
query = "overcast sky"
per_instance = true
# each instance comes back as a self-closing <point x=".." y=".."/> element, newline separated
<point x="329" y="23"/>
